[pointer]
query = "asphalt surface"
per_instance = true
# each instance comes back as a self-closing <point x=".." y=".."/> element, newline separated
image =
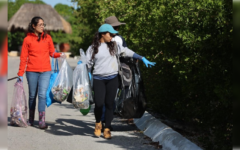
<point x="68" y="128"/>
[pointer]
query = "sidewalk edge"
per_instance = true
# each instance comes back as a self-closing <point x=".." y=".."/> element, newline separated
<point x="166" y="136"/>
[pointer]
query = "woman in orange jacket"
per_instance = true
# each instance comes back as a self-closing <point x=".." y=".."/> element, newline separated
<point x="36" y="49"/>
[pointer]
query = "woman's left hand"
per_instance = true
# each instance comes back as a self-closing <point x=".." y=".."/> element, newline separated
<point x="63" y="56"/>
<point x="146" y="62"/>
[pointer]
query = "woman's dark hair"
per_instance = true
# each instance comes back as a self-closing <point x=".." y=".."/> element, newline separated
<point x="96" y="43"/>
<point x="35" y="21"/>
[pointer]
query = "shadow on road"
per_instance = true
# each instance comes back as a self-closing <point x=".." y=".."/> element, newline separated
<point x="132" y="142"/>
<point x="72" y="127"/>
<point x="64" y="104"/>
<point x="68" y="127"/>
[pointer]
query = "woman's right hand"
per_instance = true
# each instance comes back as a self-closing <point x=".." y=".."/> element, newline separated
<point x="20" y="79"/>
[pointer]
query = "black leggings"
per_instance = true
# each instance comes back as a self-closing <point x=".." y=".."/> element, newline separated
<point x="104" y="93"/>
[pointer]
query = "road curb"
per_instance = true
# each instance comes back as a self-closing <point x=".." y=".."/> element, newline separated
<point x="165" y="135"/>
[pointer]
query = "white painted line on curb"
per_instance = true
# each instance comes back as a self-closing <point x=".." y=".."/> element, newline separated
<point x="166" y="136"/>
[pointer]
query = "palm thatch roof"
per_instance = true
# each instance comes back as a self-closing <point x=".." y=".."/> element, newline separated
<point x="27" y="11"/>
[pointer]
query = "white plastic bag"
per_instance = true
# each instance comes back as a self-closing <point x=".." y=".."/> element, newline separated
<point x="63" y="83"/>
<point x="82" y="92"/>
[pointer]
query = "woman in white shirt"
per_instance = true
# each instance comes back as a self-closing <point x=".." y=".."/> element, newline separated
<point x="101" y="54"/>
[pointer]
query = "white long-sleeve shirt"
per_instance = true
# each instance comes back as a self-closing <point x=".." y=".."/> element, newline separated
<point x="104" y="63"/>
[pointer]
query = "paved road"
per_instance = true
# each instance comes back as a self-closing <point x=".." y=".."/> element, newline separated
<point x="68" y="129"/>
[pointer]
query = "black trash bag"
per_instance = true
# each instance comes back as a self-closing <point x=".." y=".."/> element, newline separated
<point x="131" y="100"/>
<point x="69" y="99"/>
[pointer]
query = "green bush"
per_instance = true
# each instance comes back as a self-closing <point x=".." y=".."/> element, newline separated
<point x="191" y="41"/>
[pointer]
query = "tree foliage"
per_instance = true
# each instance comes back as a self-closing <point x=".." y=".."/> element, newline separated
<point x="67" y="12"/>
<point x="13" y="6"/>
<point x="191" y="42"/>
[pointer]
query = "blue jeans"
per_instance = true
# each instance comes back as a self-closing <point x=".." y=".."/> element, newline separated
<point x="38" y="84"/>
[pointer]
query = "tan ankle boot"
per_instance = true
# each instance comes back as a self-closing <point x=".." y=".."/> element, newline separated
<point x="107" y="133"/>
<point x="98" y="128"/>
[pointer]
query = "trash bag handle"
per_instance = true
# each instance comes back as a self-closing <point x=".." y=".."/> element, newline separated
<point x="119" y="64"/>
<point x="52" y="65"/>
<point x="55" y="69"/>
<point x="56" y="66"/>
<point x="12" y="78"/>
<point x="133" y="83"/>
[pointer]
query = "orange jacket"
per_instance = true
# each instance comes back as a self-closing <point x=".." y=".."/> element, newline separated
<point x="36" y="54"/>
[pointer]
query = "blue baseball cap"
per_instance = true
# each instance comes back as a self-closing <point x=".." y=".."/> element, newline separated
<point x="107" y="28"/>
